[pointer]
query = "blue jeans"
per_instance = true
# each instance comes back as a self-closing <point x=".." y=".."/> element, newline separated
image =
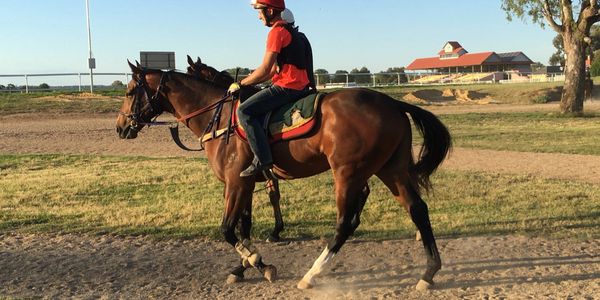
<point x="250" y="114"/>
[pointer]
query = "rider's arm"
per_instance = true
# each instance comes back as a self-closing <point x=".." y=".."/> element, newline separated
<point x="264" y="72"/>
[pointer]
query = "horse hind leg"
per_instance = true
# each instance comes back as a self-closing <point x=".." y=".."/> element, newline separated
<point x="417" y="209"/>
<point x="350" y="202"/>
<point x="274" y="197"/>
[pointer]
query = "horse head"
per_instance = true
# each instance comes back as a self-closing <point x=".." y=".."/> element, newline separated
<point x="208" y="73"/>
<point x="145" y="100"/>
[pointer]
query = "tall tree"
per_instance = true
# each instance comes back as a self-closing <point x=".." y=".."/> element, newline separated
<point x="573" y="21"/>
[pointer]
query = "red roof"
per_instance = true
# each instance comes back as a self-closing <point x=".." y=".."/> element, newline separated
<point x="468" y="59"/>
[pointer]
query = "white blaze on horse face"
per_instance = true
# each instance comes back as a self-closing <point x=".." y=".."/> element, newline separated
<point x="318" y="265"/>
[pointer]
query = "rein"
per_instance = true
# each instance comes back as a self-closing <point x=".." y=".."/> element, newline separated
<point x="156" y="110"/>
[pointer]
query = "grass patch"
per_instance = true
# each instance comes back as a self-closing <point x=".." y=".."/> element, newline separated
<point x="59" y="102"/>
<point x="528" y="132"/>
<point x="516" y="93"/>
<point x="179" y="197"/>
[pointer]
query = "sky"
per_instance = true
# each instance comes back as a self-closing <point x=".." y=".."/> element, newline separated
<point x="50" y="36"/>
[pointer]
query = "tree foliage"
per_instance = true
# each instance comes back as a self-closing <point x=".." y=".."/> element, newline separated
<point x="323" y="76"/>
<point x="363" y="78"/>
<point x="573" y="20"/>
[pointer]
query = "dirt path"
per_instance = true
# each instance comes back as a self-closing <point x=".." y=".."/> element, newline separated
<point x="501" y="267"/>
<point x="504" y="267"/>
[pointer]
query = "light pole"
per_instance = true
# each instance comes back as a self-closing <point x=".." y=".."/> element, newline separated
<point x="91" y="60"/>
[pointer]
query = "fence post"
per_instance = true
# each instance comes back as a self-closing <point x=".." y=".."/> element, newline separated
<point x="317" y="79"/>
<point x="347" y="79"/>
<point x="398" y="78"/>
<point x="79" y="82"/>
<point x="126" y="79"/>
<point x="26" y="85"/>
<point x="374" y="83"/>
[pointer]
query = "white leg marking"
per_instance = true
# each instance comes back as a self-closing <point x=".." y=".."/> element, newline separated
<point x="318" y="265"/>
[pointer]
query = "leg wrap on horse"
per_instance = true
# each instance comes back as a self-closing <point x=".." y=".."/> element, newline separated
<point x="249" y="253"/>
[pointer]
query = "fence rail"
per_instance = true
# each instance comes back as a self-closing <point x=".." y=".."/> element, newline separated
<point x="81" y="80"/>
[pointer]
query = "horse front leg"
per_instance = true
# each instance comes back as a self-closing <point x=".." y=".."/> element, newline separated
<point x="245" y="227"/>
<point x="274" y="197"/>
<point x="238" y="198"/>
<point x="349" y="200"/>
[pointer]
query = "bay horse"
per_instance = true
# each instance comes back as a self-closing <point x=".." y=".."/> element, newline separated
<point x="360" y="133"/>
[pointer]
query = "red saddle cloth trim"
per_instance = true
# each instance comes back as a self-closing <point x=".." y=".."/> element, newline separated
<point x="298" y="130"/>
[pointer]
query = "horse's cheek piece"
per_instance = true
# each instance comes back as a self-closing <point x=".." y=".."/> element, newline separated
<point x="249" y="253"/>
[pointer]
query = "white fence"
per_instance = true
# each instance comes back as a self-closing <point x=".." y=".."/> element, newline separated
<point x="80" y="81"/>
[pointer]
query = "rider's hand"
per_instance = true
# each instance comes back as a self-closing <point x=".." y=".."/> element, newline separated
<point x="234" y="87"/>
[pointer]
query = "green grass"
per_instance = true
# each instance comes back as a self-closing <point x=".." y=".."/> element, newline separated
<point x="516" y="93"/>
<point x="528" y="132"/>
<point x="179" y="197"/>
<point x="15" y="103"/>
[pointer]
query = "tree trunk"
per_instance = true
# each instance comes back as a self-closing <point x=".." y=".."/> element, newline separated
<point x="573" y="90"/>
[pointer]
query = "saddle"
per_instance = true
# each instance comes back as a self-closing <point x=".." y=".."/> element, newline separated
<point x="290" y="121"/>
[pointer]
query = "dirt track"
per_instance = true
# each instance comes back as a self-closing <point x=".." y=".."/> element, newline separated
<point x="503" y="267"/>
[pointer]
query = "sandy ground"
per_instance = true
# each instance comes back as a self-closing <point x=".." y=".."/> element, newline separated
<point x="501" y="267"/>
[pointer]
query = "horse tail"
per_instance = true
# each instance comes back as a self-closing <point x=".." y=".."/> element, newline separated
<point x="436" y="143"/>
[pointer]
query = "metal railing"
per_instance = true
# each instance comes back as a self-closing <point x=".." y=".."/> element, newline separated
<point x="79" y="81"/>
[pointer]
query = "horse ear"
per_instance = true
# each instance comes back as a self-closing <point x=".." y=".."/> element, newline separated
<point x="137" y="63"/>
<point x="198" y="61"/>
<point x="190" y="60"/>
<point x="134" y="69"/>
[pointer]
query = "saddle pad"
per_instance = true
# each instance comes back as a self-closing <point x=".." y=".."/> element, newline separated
<point x="290" y="121"/>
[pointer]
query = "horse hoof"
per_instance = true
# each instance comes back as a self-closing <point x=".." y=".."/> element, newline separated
<point x="423" y="285"/>
<point x="303" y="285"/>
<point x="270" y="273"/>
<point x="273" y="239"/>
<point x="418" y="236"/>
<point x="231" y="279"/>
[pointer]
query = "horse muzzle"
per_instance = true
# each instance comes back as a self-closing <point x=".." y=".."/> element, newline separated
<point x="129" y="132"/>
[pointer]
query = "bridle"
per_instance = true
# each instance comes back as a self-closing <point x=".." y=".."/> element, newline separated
<point x="153" y="109"/>
<point x="152" y="106"/>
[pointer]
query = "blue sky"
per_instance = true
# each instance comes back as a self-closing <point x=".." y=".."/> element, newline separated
<point x="41" y="36"/>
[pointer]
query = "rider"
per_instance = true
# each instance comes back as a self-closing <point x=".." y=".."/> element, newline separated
<point x="288" y="63"/>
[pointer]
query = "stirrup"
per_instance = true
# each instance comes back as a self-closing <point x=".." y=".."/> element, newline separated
<point x="253" y="169"/>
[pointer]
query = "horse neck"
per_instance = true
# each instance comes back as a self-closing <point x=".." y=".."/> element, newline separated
<point x="191" y="96"/>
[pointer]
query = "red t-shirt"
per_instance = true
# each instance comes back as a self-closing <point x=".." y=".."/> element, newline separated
<point x="289" y="76"/>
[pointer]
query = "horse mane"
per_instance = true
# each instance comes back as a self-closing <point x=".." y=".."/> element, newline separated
<point x="180" y="73"/>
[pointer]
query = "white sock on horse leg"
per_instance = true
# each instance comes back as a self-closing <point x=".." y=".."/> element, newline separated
<point x="318" y="265"/>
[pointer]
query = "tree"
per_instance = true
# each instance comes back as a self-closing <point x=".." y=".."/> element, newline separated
<point x="573" y="21"/>
<point x="363" y="78"/>
<point x="340" y="76"/>
<point x="558" y="57"/>
<point x="117" y="84"/>
<point x="11" y="86"/>
<point x="323" y="77"/>
<point x="391" y="75"/>
<point x="2" y="87"/>
<point x="595" y="67"/>
<point x="44" y="86"/>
